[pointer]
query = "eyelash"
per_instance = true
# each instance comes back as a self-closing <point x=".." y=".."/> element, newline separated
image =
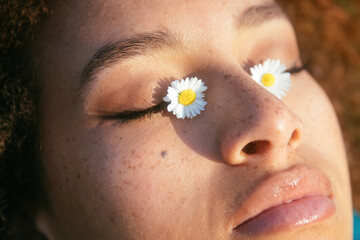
<point x="126" y="116"/>
<point x="295" y="70"/>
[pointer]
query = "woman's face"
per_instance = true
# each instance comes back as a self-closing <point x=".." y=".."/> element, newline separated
<point x="250" y="166"/>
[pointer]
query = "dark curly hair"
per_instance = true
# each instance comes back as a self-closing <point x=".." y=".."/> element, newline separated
<point x="18" y="177"/>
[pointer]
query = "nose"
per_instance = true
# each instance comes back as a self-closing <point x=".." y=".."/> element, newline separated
<point x="266" y="129"/>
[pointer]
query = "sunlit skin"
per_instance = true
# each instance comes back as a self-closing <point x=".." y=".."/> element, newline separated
<point x="163" y="177"/>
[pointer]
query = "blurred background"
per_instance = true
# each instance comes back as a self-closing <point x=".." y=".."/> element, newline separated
<point x="329" y="37"/>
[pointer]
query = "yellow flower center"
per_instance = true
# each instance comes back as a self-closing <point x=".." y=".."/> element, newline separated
<point x="187" y="97"/>
<point x="268" y="79"/>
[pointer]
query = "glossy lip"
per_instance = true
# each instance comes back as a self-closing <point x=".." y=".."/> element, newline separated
<point x="295" y="183"/>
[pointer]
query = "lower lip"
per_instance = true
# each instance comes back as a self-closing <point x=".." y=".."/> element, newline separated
<point x="288" y="216"/>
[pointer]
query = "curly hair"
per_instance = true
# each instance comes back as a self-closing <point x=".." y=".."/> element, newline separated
<point x="17" y="119"/>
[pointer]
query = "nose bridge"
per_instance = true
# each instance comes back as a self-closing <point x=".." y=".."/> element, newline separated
<point x="265" y="126"/>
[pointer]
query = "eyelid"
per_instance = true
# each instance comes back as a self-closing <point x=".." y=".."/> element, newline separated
<point x="295" y="69"/>
<point x="125" y="116"/>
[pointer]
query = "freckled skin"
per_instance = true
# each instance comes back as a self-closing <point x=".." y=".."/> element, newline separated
<point x="161" y="177"/>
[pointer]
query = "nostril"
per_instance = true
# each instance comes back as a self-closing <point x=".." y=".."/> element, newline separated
<point x="295" y="138"/>
<point x="256" y="147"/>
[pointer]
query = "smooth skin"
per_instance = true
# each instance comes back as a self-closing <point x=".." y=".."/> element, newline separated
<point x="162" y="177"/>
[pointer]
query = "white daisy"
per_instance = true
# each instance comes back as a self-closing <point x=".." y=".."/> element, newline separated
<point x="272" y="76"/>
<point x="186" y="97"/>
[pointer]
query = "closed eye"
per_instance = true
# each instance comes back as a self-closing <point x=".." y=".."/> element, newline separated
<point x="125" y="116"/>
<point x="295" y="70"/>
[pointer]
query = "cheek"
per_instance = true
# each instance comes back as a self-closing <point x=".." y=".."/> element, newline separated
<point x="113" y="180"/>
<point x="322" y="144"/>
<point x="310" y="103"/>
<point x="128" y="179"/>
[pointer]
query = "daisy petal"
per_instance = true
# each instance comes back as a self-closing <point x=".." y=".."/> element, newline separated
<point x="166" y="99"/>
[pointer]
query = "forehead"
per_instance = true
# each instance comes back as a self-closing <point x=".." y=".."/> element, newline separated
<point x="77" y="29"/>
<point x="96" y="22"/>
<point x="129" y="15"/>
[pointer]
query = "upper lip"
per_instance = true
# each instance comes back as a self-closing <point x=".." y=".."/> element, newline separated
<point x="281" y="187"/>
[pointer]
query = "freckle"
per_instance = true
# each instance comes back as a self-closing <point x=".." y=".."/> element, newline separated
<point x="102" y="199"/>
<point x="164" y="153"/>
<point x="134" y="214"/>
<point x="121" y="138"/>
<point x="102" y="169"/>
<point x="112" y="219"/>
<point x="67" y="140"/>
<point x="227" y="76"/>
<point x="88" y="171"/>
<point x="140" y="165"/>
<point x="85" y="159"/>
<point x="66" y="180"/>
<point x="133" y="152"/>
<point x="119" y="172"/>
<point x="79" y="206"/>
<point x="87" y="196"/>
<point x="95" y="209"/>
<point x="65" y="167"/>
<point x="78" y="176"/>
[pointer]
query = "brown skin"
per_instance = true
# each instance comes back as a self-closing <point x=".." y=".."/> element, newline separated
<point x="165" y="178"/>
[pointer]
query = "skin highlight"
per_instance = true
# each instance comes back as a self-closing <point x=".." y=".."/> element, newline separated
<point x="161" y="177"/>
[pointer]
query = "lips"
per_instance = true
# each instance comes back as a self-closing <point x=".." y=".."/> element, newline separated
<point x="285" y="200"/>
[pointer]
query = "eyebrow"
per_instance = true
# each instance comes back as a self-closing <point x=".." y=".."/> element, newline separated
<point x="147" y="43"/>
<point x="141" y="44"/>
<point x="258" y="14"/>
